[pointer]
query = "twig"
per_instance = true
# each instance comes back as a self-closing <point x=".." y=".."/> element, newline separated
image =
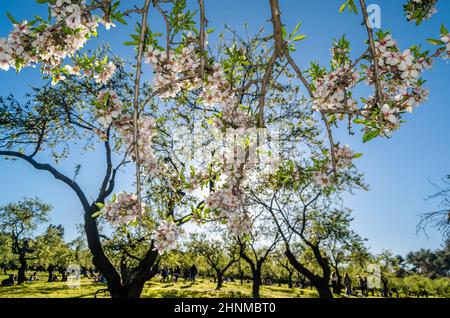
<point x="136" y="105"/>
<point x="202" y="38"/>
<point x="376" y="72"/>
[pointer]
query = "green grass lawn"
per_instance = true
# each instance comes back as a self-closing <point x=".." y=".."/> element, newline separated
<point x="203" y="288"/>
<point x="154" y="288"/>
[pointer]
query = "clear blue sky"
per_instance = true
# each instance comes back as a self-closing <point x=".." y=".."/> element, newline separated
<point x="398" y="170"/>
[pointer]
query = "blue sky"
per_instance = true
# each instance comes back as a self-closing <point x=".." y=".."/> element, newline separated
<point x="398" y="170"/>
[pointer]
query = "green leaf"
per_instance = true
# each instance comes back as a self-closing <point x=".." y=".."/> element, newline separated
<point x="370" y="135"/>
<point x="11" y="18"/>
<point x="359" y="121"/>
<point x="357" y="155"/>
<point x="134" y="223"/>
<point x="120" y="20"/>
<point x="299" y="37"/>
<point x="96" y="214"/>
<point x="100" y="205"/>
<point x="295" y="29"/>
<point x="342" y="8"/>
<point x="435" y="42"/>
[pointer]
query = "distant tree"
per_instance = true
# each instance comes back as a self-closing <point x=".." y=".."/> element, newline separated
<point x="255" y="249"/>
<point x="432" y="264"/>
<point x="19" y="221"/>
<point x="343" y="247"/>
<point x="280" y="267"/>
<point x="7" y="258"/>
<point x="440" y="218"/>
<point x="82" y="254"/>
<point x="52" y="252"/>
<point x="220" y="255"/>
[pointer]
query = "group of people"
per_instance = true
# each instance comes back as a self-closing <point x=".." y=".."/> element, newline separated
<point x="100" y="278"/>
<point x="172" y="274"/>
<point x="33" y="277"/>
<point x="347" y="283"/>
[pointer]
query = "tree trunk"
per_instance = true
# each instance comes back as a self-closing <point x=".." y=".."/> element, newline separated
<point x="323" y="289"/>
<point x="219" y="281"/>
<point x="321" y="284"/>
<point x="22" y="269"/>
<point x="132" y="290"/>
<point x="117" y="288"/>
<point x="339" y="283"/>
<point x="290" y="284"/>
<point x="256" y="283"/>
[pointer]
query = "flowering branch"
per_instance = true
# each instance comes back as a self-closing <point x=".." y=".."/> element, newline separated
<point x="136" y="104"/>
<point x="202" y="38"/>
<point x="373" y="51"/>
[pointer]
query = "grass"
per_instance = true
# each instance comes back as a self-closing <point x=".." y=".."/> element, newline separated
<point x="153" y="289"/>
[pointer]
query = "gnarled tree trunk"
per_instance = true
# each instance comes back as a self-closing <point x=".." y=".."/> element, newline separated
<point x="320" y="283"/>
<point x="219" y="276"/>
<point x="22" y="269"/>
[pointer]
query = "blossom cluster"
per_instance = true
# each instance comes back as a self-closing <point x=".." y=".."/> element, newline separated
<point x="446" y="39"/>
<point x="225" y="200"/>
<point x="229" y="200"/>
<point x="419" y="10"/>
<point x="399" y="77"/>
<point x="332" y="90"/>
<point x="146" y="128"/>
<point x="343" y="157"/>
<point x="110" y="112"/>
<point x="322" y="179"/>
<point x="28" y="44"/>
<point x="217" y="91"/>
<point x="166" y="236"/>
<point x="239" y="224"/>
<point x="176" y="71"/>
<point x="111" y="107"/>
<point x="171" y="67"/>
<point x="122" y="209"/>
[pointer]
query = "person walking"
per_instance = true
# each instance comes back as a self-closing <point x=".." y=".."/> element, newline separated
<point x="164" y="274"/>
<point x="176" y="273"/>
<point x="366" y="287"/>
<point x="192" y="273"/>
<point x="347" y="284"/>
<point x="334" y="283"/>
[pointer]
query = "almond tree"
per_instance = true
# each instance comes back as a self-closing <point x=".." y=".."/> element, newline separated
<point x="19" y="221"/>
<point x="220" y="255"/>
<point x="233" y="87"/>
<point x="255" y="248"/>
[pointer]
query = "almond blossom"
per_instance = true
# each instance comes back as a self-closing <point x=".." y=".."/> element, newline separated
<point x="122" y="209"/>
<point x="399" y="77"/>
<point x="322" y="179"/>
<point x="49" y="44"/>
<point x="332" y="90"/>
<point x="343" y="156"/>
<point x="166" y="236"/>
